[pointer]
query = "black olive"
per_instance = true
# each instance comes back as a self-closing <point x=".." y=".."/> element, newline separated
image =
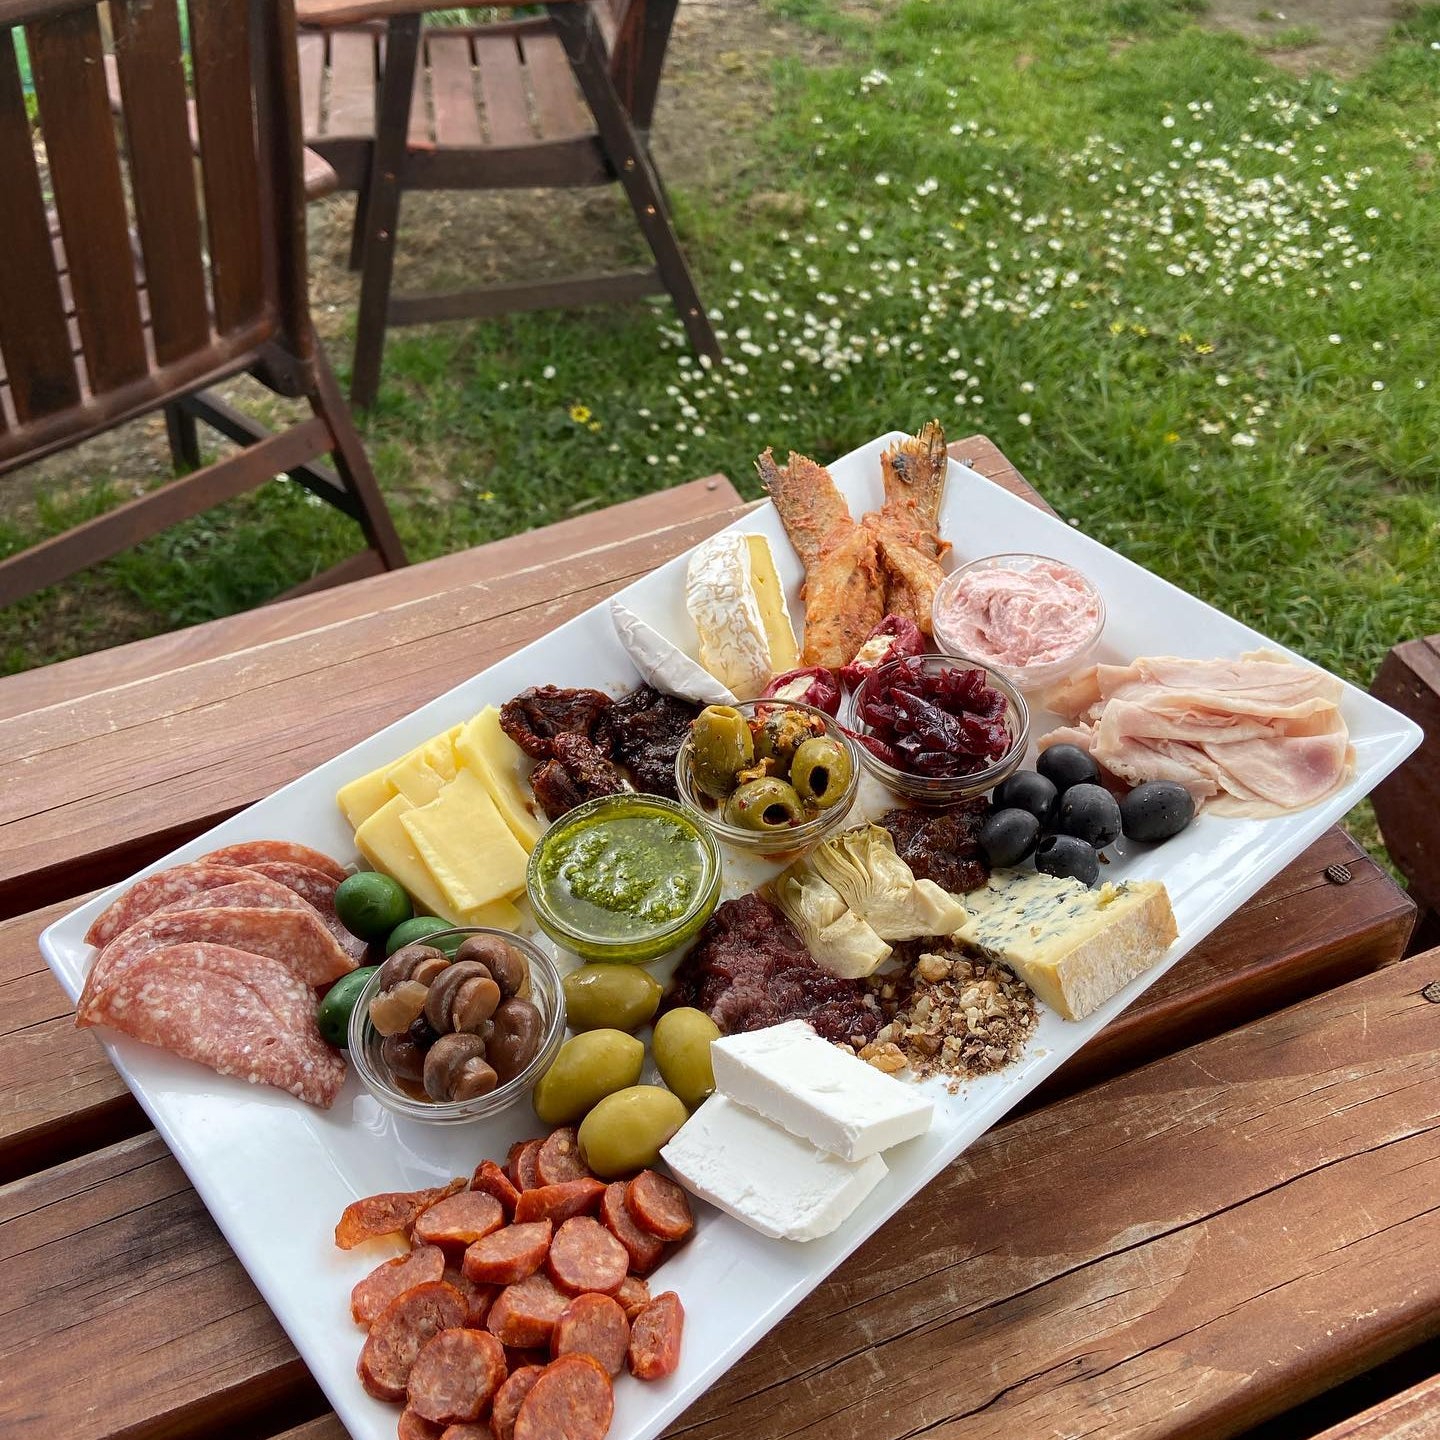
<point x="1067" y="765"/>
<point x="422" y="1034"/>
<point x="1156" y="810"/>
<point x="1069" y="858"/>
<point x="1008" y="836"/>
<point x="1090" y="813"/>
<point x="1025" y="790"/>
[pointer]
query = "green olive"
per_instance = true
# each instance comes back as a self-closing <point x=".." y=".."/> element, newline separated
<point x="764" y="805"/>
<point x="781" y="733"/>
<point x="721" y="744"/>
<point x="610" y="997"/>
<point x="587" y="1068"/>
<point x="821" y="771"/>
<point x="625" y="1131"/>
<point x="682" y="1053"/>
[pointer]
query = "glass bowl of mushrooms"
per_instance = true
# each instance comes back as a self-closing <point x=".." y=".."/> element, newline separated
<point x="447" y="1041"/>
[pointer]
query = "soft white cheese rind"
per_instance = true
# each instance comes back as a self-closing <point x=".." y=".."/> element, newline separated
<point x="817" y="1092"/>
<point x="1074" y="947"/>
<point x="664" y="665"/>
<point x="763" y="1176"/>
<point x="734" y="647"/>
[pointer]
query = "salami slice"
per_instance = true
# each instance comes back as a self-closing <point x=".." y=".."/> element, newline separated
<point x="254" y="892"/>
<point x="400" y="1332"/>
<point x="507" y="1256"/>
<point x="557" y="1203"/>
<point x="645" y="1249"/>
<point x="509" y="1398"/>
<point x="490" y="1178"/>
<point x="572" y="1398"/>
<point x="240" y="1014"/>
<point x="262" y="852"/>
<point x="155" y="892"/>
<point x="317" y="889"/>
<point x="524" y="1314"/>
<point x="559" y="1158"/>
<point x="655" y="1338"/>
<point x="459" y="1220"/>
<point x="633" y="1295"/>
<point x="297" y="940"/>
<point x="659" y="1206"/>
<point x="389" y="1213"/>
<point x="392" y="1278"/>
<point x="593" y="1325"/>
<point x="584" y="1255"/>
<point x="456" y="1375"/>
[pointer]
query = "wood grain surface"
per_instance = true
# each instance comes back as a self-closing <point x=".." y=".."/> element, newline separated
<point x="1414" y="1414"/>
<point x="1181" y="1251"/>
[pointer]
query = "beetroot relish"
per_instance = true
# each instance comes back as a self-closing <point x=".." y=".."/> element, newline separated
<point x="943" y="724"/>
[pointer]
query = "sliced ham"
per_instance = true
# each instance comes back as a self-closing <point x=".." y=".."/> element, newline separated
<point x="155" y="892"/>
<point x="1254" y="736"/>
<point x="241" y="1014"/>
<point x="295" y="939"/>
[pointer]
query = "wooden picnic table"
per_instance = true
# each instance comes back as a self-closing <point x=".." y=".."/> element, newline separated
<point x="1227" y="1205"/>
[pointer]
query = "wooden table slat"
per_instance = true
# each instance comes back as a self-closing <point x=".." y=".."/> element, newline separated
<point x="1414" y="1414"/>
<point x="1184" y="1250"/>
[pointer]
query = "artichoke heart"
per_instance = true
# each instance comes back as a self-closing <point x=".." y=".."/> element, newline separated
<point x="874" y="882"/>
<point x="837" y="938"/>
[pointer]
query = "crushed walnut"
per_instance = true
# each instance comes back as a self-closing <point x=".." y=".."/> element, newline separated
<point x="952" y="1015"/>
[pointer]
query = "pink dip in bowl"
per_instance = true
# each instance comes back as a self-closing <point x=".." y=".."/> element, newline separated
<point x="1028" y="616"/>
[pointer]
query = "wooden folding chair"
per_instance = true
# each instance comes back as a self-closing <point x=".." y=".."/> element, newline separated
<point x="554" y="101"/>
<point x="100" y="324"/>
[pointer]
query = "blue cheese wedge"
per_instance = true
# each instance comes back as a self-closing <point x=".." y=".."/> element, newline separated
<point x="665" y="666"/>
<point x="1073" y="946"/>
<point x="764" y="1176"/>
<point x="734" y="597"/>
<point x="817" y="1091"/>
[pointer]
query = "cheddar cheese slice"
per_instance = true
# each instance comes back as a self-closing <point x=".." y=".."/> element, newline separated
<point x="504" y="769"/>
<point x="361" y="798"/>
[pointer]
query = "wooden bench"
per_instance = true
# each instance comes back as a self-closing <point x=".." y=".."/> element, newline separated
<point x="1407" y="803"/>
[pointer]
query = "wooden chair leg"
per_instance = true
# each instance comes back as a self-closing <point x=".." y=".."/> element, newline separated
<point x="184" y="437"/>
<point x="353" y="465"/>
<point x="382" y="208"/>
<point x="630" y="158"/>
<point x="357" y="229"/>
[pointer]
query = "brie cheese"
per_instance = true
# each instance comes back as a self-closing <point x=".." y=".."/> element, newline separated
<point x="665" y="666"/>
<point x="734" y="622"/>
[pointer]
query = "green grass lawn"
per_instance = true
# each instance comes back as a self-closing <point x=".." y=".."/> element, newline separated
<point x="1191" y="296"/>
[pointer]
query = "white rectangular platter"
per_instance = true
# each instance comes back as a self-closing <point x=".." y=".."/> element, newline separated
<point x="276" y="1174"/>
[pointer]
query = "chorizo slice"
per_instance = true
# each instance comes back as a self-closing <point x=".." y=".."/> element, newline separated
<point x="388" y="1213"/>
<point x="655" y="1338"/>
<point x="525" y="1313"/>
<point x="411" y="1426"/>
<point x="557" y="1203"/>
<point x="391" y="1278"/>
<point x="478" y="1298"/>
<point x="659" y="1205"/>
<point x="593" y="1325"/>
<point x="259" y="852"/>
<point x="519" y="1356"/>
<point x="400" y="1332"/>
<point x="490" y="1178"/>
<point x="572" y="1400"/>
<point x="633" y="1296"/>
<point x="525" y="1170"/>
<point x="468" y="1430"/>
<point x="559" y="1158"/>
<point x="460" y="1219"/>
<point x="585" y="1256"/>
<point x="157" y="891"/>
<point x="507" y="1256"/>
<point x="455" y="1376"/>
<point x="508" y="1400"/>
<point x="645" y="1249"/>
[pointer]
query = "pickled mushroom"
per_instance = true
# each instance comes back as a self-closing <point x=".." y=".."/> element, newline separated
<point x="839" y="940"/>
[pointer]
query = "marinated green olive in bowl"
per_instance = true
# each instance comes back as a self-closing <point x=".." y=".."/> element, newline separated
<point x="769" y="776"/>
<point x="448" y="1040"/>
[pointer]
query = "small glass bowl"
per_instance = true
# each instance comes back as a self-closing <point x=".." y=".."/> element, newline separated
<point x="547" y="995"/>
<point x="771" y="842"/>
<point x="1040" y="674"/>
<point x="940" y="790"/>
<point x="641" y="945"/>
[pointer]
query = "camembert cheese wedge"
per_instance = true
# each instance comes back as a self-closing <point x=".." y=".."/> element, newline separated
<point x="1073" y="946"/>
<point x="734" y="596"/>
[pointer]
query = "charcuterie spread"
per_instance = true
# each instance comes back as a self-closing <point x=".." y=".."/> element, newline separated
<point x="733" y="931"/>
